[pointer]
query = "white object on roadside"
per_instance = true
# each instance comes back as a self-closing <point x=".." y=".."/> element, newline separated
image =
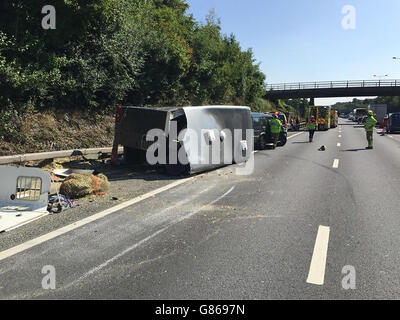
<point x="68" y="172"/>
<point x="24" y="194"/>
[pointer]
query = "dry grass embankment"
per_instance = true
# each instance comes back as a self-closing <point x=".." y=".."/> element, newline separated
<point x="57" y="130"/>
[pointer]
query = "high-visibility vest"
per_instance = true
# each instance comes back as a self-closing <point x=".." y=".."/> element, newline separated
<point x="370" y="123"/>
<point x="311" y="125"/>
<point x="276" y="125"/>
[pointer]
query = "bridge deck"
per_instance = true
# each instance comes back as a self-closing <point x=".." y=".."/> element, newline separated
<point x="333" y="89"/>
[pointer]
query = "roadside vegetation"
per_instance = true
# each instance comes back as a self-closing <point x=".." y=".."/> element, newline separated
<point x="393" y="104"/>
<point x="109" y="52"/>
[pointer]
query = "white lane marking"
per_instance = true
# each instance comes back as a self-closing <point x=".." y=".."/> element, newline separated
<point x="338" y="144"/>
<point x="335" y="163"/>
<point x="295" y="135"/>
<point x="119" y="255"/>
<point x="51" y="235"/>
<point x="316" y="273"/>
<point x="340" y="136"/>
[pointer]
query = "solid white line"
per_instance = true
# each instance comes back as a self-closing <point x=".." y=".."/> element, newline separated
<point x="338" y="144"/>
<point x="316" y="273"/>
<point x="335" y="163"/>
<point x="51" y="235"/>
<point x="119" y="255"/>
<point x="295" y="135"/>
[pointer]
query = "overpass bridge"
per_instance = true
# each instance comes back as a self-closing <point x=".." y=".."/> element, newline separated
<point x="329" y="89"/>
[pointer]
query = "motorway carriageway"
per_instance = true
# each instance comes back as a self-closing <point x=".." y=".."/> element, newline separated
<point x="287" y="231"/>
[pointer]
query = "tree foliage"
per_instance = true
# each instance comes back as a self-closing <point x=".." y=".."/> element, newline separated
<point x="393" y="104"/>
<point x="106" y="52"/>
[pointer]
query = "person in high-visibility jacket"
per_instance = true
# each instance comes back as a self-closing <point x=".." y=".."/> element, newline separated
<point x="311" y="126"/>
<point x="276" y="127"/>
<point x="369" y="128"/>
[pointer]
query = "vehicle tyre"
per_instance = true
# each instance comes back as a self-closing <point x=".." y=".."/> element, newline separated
<point x="134" y="156"/>
<point x="262" y="143"/>
<point x="282" y="140"/>
<point x="177" y="169"/>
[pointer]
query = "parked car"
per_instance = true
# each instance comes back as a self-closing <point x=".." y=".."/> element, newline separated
<point x="393" y="122"/>
<point x="281" y="117"/>
<point x="362" y="120"/>
<point x="262" y="131"/>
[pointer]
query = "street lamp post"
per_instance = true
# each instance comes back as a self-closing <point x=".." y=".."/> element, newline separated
<point x="380" y="76"/>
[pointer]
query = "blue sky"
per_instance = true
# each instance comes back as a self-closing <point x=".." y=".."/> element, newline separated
<point x="303" y="40"/>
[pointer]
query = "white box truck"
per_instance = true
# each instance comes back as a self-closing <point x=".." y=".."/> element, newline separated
<point x="380" y="110"/>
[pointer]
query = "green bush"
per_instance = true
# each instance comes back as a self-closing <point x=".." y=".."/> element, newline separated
<point x="103" y="53"/>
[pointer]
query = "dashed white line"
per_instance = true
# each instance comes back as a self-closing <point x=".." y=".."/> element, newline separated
<point x="335" y="163"/>
<point x="339" y="135"/>
<point x="316" y="273"/>
<point x="338" y="144"/>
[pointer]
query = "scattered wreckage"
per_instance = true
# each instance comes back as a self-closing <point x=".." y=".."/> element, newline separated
<point x="24" y="194"/>
<point x="27" y="194"/>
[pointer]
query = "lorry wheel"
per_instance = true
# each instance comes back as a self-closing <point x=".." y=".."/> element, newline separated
<point x="177" y="169"/>
<point x="134" y="156"/>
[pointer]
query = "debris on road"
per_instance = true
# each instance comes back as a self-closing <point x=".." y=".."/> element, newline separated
<point x="58" y="203"/>
<point x="23" y="195"/>
<point x="79" y="185"/>
<point x="66" y="172"/>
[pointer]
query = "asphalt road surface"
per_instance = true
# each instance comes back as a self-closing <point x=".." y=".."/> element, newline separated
<point x="287" y="231"/>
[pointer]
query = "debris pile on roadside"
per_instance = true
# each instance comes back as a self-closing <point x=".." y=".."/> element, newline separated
<point x="78" y="185"/>
<point x="74" y="178"/>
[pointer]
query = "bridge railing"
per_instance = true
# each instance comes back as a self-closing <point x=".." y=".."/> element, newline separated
<point x="333" y="84"/>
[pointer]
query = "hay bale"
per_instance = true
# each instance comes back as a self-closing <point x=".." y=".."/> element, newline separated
<point x="77" y="185"/>
<point x="105" y="184"/>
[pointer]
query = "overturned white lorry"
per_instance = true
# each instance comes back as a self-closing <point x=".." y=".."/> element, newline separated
<point x="24" y="194"/>
<point x="184" y="140"/>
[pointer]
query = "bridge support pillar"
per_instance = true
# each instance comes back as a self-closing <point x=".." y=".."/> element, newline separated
<point x="312" y="103"/>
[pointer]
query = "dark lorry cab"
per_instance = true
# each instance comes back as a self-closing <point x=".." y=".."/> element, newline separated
<point x="262" y="131"/>
<point x="393" y="122"/>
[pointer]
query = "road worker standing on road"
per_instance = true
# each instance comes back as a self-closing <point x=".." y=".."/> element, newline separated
<point x="276" y="127"/>
<point x="369" y="128"/>
<point x="311" y="126"/>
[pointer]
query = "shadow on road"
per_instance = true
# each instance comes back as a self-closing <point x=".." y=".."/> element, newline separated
<point x="347" y="150"/>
